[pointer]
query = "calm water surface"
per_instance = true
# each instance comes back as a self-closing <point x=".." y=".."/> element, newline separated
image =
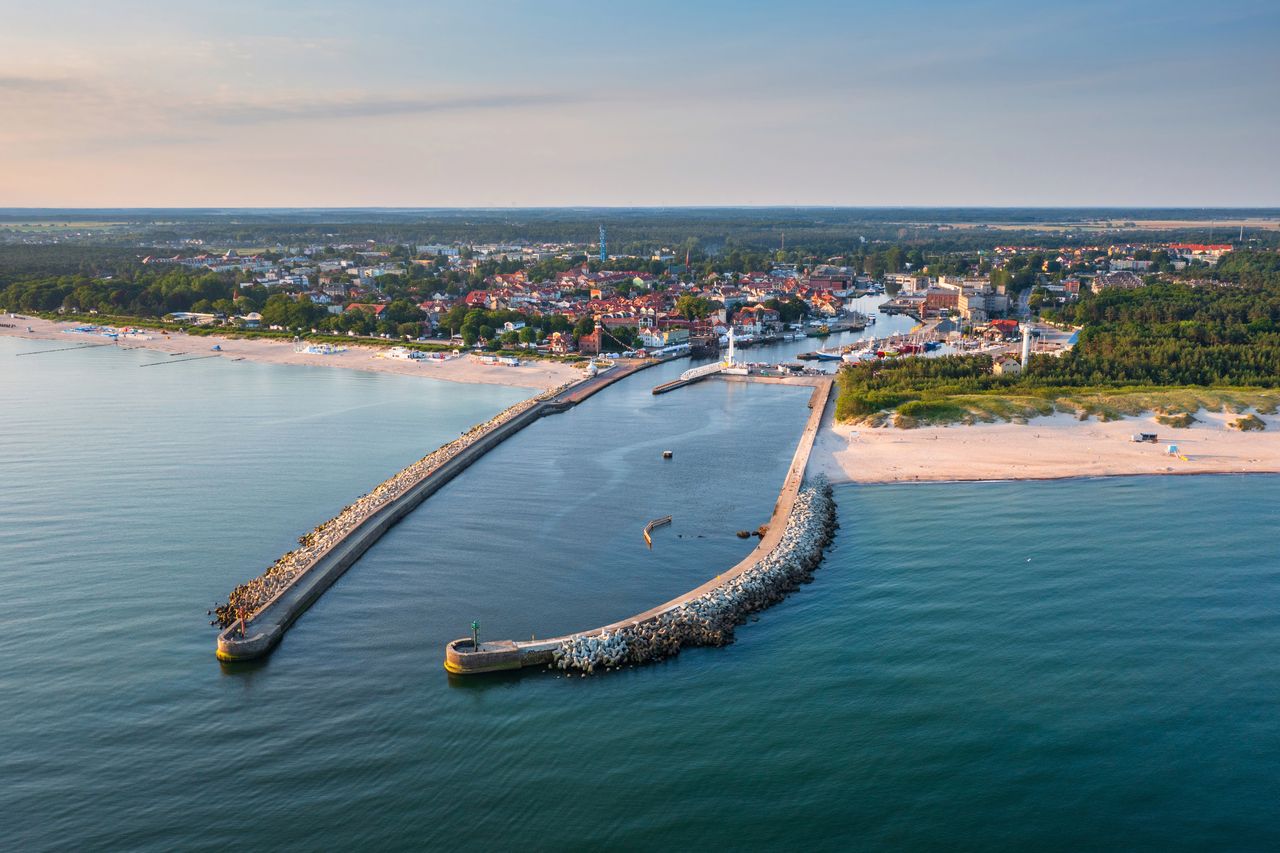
<point x="1063" y="666"/>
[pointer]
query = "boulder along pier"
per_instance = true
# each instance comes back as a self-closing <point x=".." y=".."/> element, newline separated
<point x="799" y="530"/>
<point x="258" y="612"/>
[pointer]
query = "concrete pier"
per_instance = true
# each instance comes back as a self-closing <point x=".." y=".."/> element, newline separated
<point x="462" y="659"/>
<point x="262" y="631"/>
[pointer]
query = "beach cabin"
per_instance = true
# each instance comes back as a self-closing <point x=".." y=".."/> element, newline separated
<point x="1147" y="437"/>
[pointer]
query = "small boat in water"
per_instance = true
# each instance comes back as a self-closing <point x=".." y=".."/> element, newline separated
<point x="826" y="355"/>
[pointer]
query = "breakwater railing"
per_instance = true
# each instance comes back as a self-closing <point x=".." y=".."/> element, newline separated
<point x="800" y="527"/>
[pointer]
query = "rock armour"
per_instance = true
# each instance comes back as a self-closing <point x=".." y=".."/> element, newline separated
<point x="710" y="619"/>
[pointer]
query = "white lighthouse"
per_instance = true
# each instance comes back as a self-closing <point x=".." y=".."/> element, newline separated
<point x="1026" y="343"/>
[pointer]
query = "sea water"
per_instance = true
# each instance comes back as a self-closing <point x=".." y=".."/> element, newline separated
<point x="1071" y="665"/>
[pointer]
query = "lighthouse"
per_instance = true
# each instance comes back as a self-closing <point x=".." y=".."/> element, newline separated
<point x="1026" y="343"/>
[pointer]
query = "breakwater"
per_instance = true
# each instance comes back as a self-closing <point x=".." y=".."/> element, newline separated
<point x="258" y="612"/>
<point x="710" y="618"/>
<point x="800" y="527"/>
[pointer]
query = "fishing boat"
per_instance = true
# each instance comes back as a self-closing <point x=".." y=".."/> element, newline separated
<point x="859" y="353"/>
<point x="826" y="355"/>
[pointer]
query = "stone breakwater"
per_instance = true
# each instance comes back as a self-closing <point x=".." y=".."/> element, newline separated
<point x="710" y="619"/>
<point x="250" y="597"/>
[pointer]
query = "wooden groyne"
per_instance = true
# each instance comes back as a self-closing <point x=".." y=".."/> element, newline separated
<point x="462" y="658"/>
<point x="261" y="630"/>
<point x="648" y="529"/>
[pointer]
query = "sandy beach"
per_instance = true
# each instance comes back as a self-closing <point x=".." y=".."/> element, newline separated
<point x="1044" y="448"/>
<point x="539" y="375"/>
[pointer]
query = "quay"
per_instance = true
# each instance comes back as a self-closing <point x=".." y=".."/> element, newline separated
<point x="255" y="635"/>
<point x="462" y="657"/>
<point x="765" y="375"/>
<point x="912" y="307"/>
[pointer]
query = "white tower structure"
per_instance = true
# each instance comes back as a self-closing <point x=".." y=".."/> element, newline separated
<point x="729" y="358"/>
<point x="1026" y="343"/>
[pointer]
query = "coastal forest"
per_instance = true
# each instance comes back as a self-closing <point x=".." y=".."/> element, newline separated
<point x="1220" y="333"/>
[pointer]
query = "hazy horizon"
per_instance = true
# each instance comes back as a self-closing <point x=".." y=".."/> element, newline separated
<point x="572" y="105"/>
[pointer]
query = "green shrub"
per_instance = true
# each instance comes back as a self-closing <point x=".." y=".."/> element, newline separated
<point x="1181" y="420"/>
<point x="1249" y="423"/>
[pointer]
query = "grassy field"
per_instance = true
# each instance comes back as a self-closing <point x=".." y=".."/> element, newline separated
<point x="1174" y="406"/>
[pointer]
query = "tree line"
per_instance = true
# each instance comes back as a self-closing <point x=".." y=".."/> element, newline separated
<point x="1226" y="333"/>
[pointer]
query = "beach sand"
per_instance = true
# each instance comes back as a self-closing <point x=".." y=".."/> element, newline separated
<point x="536" y="374"/>
<point x="1043" y="448"/>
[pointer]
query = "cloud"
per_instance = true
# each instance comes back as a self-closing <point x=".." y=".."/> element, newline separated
<point x="22" y="84"/>
<point x="261" y="111"/>
<point x="76" y="114"/>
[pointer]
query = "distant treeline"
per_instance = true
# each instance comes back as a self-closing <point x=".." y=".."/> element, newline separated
<point x="18" y="260"/>
<point x="829" y="231"/>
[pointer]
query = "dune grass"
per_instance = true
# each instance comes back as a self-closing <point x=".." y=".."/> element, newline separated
<point x="1249" y="423"/>
<point x="1174" y="407"/>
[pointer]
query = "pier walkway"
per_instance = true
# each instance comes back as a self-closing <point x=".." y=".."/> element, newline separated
<point x="257" y="635"/>
<point x="461" y="658"/>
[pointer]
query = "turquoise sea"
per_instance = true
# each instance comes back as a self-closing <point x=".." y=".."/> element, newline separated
<point x="1072" y="665"/>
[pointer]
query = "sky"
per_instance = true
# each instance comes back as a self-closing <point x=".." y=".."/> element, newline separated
<point x="495" y="103"/>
